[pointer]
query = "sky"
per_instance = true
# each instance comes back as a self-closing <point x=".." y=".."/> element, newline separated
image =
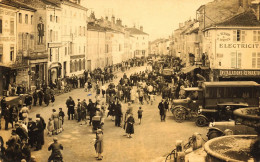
<point x="159" y="18"/>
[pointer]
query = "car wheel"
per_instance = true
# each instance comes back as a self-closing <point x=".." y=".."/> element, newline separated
<point x="201" y="122"/>
<point x="179" y="114"/>
<point x="213" y="134"/>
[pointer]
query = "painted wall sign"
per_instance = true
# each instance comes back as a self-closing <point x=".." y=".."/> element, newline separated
<point x="237" y="45"/>
<point x="223" y="36"/>
<point x="239" y="72"/>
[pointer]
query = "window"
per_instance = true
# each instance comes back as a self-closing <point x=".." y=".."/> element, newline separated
<point x="76" y="65"/>
<point x="26" y="18"/>
<point x="1" y="25"/>
<point x="50" y="39"/>
<point x="80" y="68"/>
<point x="243" y="35"/>
<point x="12" y="27"/>
<point x="80" y="31"/>
<point x="12" y="53"/>
<point x="56" y="19"/>
<point x="31" y="19"/>
<point x="51" y="18"/>
<point x="106" y="50"/>
<point x="236" y="60"/>
<point x="66" y="51"/>
<point x="256" y="60"/>
<point x="84" y="31"/>
<point x="1" y="52"/>
<point x="237" y="35"/>
<point x="20" y="18"/>
<point x="256" y="35"/>
<point x="83" y="64"/>
<point x="71" y="66"/>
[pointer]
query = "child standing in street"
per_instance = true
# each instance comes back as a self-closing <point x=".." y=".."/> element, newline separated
<point x="140" y="114"/>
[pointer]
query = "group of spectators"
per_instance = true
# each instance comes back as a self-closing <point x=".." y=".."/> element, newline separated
<point x="24" y="137"/>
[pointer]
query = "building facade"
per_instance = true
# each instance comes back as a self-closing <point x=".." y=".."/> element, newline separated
<point x="233" y="48"/>
<point x="141" y="42"/>
<point x="7" y="44"/>
<point x="74" y="38"/>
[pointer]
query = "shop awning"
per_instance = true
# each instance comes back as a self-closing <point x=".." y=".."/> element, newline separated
<point x="188" y="69"/>
<point x="55" y="65"/>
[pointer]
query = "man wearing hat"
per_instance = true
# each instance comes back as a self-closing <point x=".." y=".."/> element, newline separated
<point x="31" y="133"/>
<point x="92" y="110"/>
<point x="161" y="109"/>
<point x="70" y="104"/>
<point x="39" y="132"/>
<point x="55" y="147"/>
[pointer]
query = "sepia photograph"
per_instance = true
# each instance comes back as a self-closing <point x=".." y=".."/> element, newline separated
<point x="130" y="80"/>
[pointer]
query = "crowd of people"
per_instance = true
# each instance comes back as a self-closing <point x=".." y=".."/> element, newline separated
<point x="138" y="88"/>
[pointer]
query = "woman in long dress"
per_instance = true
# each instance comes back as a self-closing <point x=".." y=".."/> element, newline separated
<point x="99" y="144"/>
<point x="55" y="118"/>
<point x="130" y="125"/>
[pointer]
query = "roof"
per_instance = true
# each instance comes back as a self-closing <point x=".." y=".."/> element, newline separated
<point x="231" y="84"/>
<point x="247" y="18"/>
<point x="74" y="4"/>
<point x="219" y="11"/>
<point x="96" y="27"/>
<point x="52" y="2"/>
<point x="17" y="4"/>
<point x="136" y="31"/>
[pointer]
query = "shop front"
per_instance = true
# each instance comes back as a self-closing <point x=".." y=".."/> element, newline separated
<point x="54" y="72"/>
<point x="237" y="75"/>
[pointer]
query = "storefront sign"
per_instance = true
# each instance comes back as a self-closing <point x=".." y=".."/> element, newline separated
<point x="54" y="45"/>
<point x="239" y="45"/>
<point x="223" y="36"/>
<point x="239" y="72"/>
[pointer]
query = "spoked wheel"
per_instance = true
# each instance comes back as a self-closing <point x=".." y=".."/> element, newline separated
<point x="201" y="122"/>
<point x="179" y="114"/>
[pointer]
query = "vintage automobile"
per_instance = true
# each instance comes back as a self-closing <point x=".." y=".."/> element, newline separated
<point x="187" y="108"/>
<point x="167" y="74"/>
<point x="215" y="101"/>
<point x="217" y="129"/>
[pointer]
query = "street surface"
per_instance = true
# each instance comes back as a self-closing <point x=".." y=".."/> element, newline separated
<point x="152" y="140"/>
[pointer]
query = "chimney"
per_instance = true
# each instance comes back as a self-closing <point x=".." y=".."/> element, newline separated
<point x="256" y="7"/>
<point x="106" y="18"/>
<point x="113" y="19"/>
<point x="141" y="28"/>
<point x="117" y="22"/>
<point x="245" y="3"/>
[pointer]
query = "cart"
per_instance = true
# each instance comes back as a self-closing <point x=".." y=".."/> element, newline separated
<point x="96" y="123"/>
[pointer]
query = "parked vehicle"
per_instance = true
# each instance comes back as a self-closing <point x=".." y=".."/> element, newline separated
<point x="217" y="129"/>
<point x="215" y="101"/>
<point x="187" y="108"/>
<point x="167" y="74"/>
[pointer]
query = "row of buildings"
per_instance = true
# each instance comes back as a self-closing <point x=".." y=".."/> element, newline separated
<point x="224" y="37"/>
<point x="43" y="40"/>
